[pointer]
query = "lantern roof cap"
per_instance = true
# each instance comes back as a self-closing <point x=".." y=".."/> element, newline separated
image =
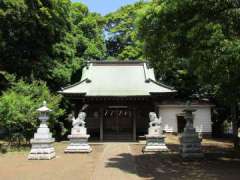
<point x="189" y="107"/>
<point x="44" y="108"/>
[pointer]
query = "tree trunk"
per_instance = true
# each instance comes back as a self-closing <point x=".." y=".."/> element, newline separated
<point x="235" y="125"/>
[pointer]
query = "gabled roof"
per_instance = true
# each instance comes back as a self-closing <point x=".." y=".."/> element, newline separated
<point x="117" y="78"/>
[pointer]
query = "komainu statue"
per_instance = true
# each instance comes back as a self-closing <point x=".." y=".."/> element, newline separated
<point x="154" y="121"/>
<point x="80" y="120"/>
<point x="155" y="124"/>
<point x="155" y="138"/>
<point x="78" y="137"/>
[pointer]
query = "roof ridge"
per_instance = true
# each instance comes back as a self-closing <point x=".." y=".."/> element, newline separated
<point x="117" y="62"/>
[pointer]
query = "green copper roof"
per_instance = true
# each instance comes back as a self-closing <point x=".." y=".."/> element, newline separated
<point x="106" y="78"/>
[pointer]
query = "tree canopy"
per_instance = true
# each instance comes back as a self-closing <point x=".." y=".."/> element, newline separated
<point x="195" y="45"/>
<point x="121" y="32"/>
<point x="48" y="40"/>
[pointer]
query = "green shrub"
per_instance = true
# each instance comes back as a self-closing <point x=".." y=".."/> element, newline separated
<point x="3" y="148"/>
<point x="18" y="109"/>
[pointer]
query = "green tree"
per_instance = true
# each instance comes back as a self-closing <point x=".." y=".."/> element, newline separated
<point x="88" y="30"/>
<point x="121" y="32"/>
<point x="18" y="109"/>
<point x="48" y="39"/>
<point x="85" y="41"/>
<point x="29" y="29"/>
<point x="195" y="45"/>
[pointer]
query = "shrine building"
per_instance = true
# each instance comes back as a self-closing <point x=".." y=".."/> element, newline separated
<point x="119" y="96"/>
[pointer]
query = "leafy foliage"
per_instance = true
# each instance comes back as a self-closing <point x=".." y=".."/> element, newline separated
<point x="191" y="43"/>
<point x="18" y="108"/>
<point x="194" y="45"/>
<point x="48" y="39"/>
<point x="121" y="32"/>
<point x="29" y="28"/>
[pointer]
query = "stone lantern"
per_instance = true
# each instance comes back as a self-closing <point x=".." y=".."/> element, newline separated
<point x="42" y="143"/>
<point x="190" y="141"/>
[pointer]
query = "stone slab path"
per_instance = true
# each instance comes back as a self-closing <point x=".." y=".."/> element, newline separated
<point x="116" y="162"/>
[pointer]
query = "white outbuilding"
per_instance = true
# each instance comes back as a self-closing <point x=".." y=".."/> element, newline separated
<point x="174" y="122"/>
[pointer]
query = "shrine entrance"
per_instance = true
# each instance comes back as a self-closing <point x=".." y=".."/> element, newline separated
<point x="118" y="123"/>
<point x="181" y="123"/>
<point x="116" y="119"/>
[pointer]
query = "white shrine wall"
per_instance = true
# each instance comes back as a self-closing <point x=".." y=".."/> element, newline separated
<point x="202" y="117"/>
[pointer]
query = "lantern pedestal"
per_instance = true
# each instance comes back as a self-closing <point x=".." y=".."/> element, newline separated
<point x="190" y="142"/>
<point x="42" y="143"/>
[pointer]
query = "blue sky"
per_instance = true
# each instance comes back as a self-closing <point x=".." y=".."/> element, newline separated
<point x="105" y="6"/>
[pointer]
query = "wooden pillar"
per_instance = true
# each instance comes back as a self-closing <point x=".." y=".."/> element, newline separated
<point x="134" y="124"/>
<point x="101" y="124"/>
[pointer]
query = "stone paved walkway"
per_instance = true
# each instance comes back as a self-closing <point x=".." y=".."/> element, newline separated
<point x="116" y="162"/>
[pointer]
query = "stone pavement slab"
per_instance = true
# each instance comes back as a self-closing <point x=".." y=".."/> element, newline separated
<point x="116" y="162"/>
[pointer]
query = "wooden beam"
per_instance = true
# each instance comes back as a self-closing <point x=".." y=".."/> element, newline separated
<point x="134" y="124"/>
<point x="101" y="124"/>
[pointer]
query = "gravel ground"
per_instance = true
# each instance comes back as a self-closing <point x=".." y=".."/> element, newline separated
<point x="220" y="163"/>
<point x="15" y="166"/>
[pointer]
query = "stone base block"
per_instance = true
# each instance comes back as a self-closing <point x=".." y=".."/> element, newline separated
<point x="154" y="144"/>
<point x="155" y="148"/>
<point x="41" y="156"/>
<point x="78" y="148"/>
<point x="190" y="145"/>
<point x="78" y="144"/>
<point x="42" y="149"/>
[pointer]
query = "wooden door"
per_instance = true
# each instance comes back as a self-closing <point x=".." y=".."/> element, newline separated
<point x="117" y="124"/>
<point x="181" y="122"/>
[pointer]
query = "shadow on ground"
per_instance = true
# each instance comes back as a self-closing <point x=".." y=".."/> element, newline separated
<point x="217" y="164"/>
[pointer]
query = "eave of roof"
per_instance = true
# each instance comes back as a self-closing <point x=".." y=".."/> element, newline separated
<point x="128" y="92"/>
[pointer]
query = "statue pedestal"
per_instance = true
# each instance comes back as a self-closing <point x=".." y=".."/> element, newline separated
<point x="42" y="145"/>
<point x="78" y="141"/>
<point x="155" y="143"/>
<point x="190" y="144"/>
